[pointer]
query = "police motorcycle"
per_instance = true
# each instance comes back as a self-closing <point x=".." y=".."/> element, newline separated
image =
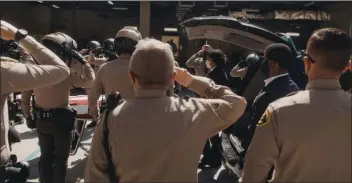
<point x="241" y="38"/>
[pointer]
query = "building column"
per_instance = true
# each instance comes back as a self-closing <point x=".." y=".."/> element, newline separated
<point x="341" y="17"/>
<point x="144" y="18"/>
<point x="41" y="16"/>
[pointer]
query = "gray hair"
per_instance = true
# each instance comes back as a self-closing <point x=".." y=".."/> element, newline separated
<point x="152" y="63"/>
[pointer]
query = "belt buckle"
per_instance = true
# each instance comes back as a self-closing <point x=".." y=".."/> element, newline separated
<point x="46" y="115"/>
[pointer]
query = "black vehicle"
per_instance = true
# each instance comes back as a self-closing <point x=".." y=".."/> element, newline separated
<point x="232" y="35"/>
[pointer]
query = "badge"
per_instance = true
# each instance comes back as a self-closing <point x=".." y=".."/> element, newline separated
<point x="265" y="118"/>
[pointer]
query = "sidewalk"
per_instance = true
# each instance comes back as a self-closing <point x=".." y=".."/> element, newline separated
<point x="28" y="150"/>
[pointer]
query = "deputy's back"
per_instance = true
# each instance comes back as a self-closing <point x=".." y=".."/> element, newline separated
<point x="315" y="132"/>
<point x="155" y="137"/>
<point x="20" y="77"/>
<point x="307" y="136"/>
<point x="114" y="77"/>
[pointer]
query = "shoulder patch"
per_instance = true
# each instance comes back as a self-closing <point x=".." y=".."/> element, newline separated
<point x="292" y="93"/>
<point x="265" y="118"/>
<point x="7" y="65"/>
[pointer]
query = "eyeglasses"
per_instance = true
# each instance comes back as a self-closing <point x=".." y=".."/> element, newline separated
<point x="309" y="57"/>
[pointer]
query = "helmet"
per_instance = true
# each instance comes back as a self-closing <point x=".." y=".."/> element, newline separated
<point x="93" y="45"/>
<point x="206" y="47"/>
<point x="62" y="39"/>
<point x="126" y="39"/>
<point x="252" y="59"/>
<point x="63" y="46"/>
<point x="108" y="44"/>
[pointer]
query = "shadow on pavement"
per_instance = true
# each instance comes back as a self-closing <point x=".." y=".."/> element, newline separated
<point x="29" y="134"/>
<point x="33" y="163"/>
<point x="88" y="134"/>
<point x="77" y="171"/>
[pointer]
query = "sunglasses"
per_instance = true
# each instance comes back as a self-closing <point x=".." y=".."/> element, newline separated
<point x="304" y="53"/>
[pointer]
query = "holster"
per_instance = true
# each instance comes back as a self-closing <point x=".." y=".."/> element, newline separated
<point x="63" y="118"/>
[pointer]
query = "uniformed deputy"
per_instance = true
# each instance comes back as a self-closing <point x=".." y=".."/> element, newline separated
<point x="91" y="45"/>
<point x="108" y="49"/>
<point x="20" y="77"/>
<point x="155" y="137"/>
<point x="197" y="61"/>
<point x="307" y="136"/>
<point x="240" y="70"/>
<point x="55" y="119"/>
<point x="113" y="76"/>
<point x="92" y="56"/>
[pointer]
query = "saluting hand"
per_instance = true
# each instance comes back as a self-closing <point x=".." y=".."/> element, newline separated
<point x="183" y="76"/>
<point x="8" y="31"/>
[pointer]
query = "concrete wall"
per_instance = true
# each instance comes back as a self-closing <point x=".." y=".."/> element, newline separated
<point x="341" y="17"/>
<point x="35" y="19"/>
<point x="81" y="24"/>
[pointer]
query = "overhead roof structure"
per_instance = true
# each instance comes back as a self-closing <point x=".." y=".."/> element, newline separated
<point x="188" y="9"/>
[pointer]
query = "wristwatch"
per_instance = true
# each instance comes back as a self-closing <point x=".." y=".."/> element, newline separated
<point x="20" y="34"/>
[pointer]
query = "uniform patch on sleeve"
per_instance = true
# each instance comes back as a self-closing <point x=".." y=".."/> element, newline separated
<point x="265" y="118"/>
<point x="292" y="93"/>
<point x="7" y="65"/>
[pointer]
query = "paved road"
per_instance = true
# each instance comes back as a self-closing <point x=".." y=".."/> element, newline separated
<point x="28" y="150"/>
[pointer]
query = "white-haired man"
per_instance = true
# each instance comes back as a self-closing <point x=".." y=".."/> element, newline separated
<point x="156" y="137"/>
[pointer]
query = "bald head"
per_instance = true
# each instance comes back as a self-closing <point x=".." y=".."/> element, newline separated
<point x="330" y="48"/>
<point x="152" y="63"/>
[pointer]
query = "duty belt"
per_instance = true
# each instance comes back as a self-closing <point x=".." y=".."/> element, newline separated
<point x="42" y="114"/>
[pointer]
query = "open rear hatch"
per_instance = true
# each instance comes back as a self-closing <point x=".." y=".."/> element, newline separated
<point x="230" y="30"/>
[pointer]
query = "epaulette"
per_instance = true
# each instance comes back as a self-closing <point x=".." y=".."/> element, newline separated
<point x="292" y="93"/>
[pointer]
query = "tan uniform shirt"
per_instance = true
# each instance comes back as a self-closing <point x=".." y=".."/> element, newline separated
<point x="157" y="138"/>
<point x="111" y="77"/>
<point x="197" y="64"/>
<point x="97" y="62"/>
<point x="26" y="95"/>
<point x="25" y="56"/>
<point x="306" y="136"/>
<point x="26" y="103"/>
<point x="57" y="96"/>
<point x="20" y="77"/>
